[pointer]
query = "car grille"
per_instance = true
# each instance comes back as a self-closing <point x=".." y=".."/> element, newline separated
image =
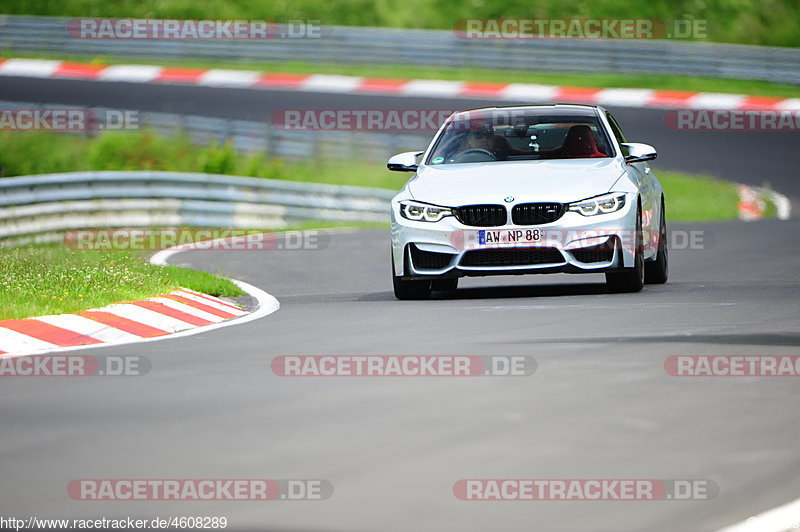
<point x="601" y="253"/>
<point x="512" y="257"/>
<point x="481" y="215"/>
<point x="537" y="213"/>
<point x="429" y="260"/>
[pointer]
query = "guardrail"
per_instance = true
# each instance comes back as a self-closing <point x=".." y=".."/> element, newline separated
<point x="39" y="208"/>
<point x="344" y="44"/>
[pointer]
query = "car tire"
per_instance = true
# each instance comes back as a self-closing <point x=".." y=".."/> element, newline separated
<point x="445" y="285"/>
<point x="657" y="272"/>
<point x="630" y="279"/>
<point x="407" y="290"/>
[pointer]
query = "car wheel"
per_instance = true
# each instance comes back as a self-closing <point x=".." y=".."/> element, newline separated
<point x="631" y="279"/>
<point x="409" y="290"/>
<point x="657" y="272"/>
<point x="445" y="285"/>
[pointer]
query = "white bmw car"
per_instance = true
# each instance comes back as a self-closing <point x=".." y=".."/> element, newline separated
<point x="521" y="190"/>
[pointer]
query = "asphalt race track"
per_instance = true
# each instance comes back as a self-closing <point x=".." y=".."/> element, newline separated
<point x="600" y="404"/>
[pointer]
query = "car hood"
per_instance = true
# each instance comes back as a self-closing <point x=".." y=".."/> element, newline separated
<point x="560" y="181"/>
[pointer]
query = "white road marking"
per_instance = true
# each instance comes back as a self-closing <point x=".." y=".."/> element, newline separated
<point x="786" y="517"/>
<point x="593" y="307"/>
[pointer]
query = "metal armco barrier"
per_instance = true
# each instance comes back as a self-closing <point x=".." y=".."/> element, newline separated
<point x="39" y="207"/>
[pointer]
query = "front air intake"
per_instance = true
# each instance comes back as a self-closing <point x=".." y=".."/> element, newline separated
<point x="429" y="260"/>
<point x="512" y="257"/>
<point x="481" y="215"/>
<point x="537" y="213"/>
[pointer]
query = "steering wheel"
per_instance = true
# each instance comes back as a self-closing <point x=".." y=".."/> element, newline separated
<point x="473" y="155"/>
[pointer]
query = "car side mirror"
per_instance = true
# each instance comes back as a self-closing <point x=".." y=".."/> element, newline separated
<point x="404" y="162"/>
<point x="639" y="153"/>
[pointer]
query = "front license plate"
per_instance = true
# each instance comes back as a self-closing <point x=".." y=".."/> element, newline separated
<point x="487" y="237"/>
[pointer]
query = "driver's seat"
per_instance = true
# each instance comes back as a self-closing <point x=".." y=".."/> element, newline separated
<point x="580" y="142"/>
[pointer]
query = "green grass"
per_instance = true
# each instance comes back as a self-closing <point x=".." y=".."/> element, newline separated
<point x="48" y="279"/>
<point x="207" y="283"/>
<point x="52" y="279"/>
<point x="698" y="198"/>
<point x="576" y="79"/>
<point x="772" y="22"/>
<point x="27" y="153"/>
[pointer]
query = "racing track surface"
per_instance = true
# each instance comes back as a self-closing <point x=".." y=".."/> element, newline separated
<point x="600" y="404"/>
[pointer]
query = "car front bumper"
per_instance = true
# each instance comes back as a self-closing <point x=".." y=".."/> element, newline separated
<point x="572" y="244"/>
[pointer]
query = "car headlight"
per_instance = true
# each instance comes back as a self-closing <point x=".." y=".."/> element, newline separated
<point x="423" y="212"/>
<point x="605" y="204"/>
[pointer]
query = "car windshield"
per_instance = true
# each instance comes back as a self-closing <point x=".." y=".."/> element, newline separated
<point x="514" y="135"/>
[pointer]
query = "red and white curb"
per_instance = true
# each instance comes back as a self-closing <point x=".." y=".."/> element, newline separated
<point x="41" y="68"/>
<point x="752" y="203"/>
<point x="180" y="313"/>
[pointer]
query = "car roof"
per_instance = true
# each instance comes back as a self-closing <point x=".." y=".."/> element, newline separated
<point x="557" y="109"/>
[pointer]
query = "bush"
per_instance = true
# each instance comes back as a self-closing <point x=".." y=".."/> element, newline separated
<point x="25" y="153"/>
<point x="218" y="160"/>
<point x="142" y="151"/>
